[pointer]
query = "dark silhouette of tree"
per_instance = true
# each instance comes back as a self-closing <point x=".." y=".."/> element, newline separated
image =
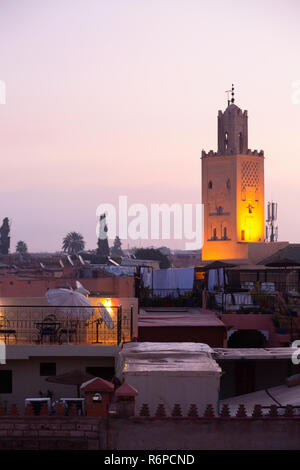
<point x="116" y="249"/>
<point x="153" y="254"/>
<point x="102" y="252"/>
<point x="21" y="248"/>
<point x="73" y="243"/>
<point x="4" y="237"/>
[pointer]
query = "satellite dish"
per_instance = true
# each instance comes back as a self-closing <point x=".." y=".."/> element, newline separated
<point x="113" y="262"/>
<point x="81" y="260"/>
<point x="70" y="260"/>
<point x="105" y="315"/>
<point x="81" y="289"/>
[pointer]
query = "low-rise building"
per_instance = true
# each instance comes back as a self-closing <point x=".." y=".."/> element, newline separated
<point x="171" y="373"/>
<point x="181" y="325"/>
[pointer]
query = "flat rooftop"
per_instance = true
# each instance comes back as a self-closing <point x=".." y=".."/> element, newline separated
<point x="178" y="317"/>
<point x="281" y="394"/>
<point x="254" y="353"/>
<point x="167" y="358"/>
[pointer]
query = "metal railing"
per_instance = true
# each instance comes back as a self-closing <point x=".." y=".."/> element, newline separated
<point x="170" y="298"/>
<point x="170" y="292"/>
<point x="51" y="325"/>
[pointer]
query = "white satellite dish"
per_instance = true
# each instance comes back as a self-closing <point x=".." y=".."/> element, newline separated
<point x="81" y="289"/>
<point x="81" y="260"/>
<point x="70" y="260"/>
<point x="113" y="262"/>
<point x="105" y="315"/>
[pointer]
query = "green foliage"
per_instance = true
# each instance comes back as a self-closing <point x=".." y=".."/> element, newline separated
<point x="116" y="249"/>
<point x="21" y="248"/>
<point x="153" y="254"/>
<point x="73" y="243"/>
<point x="188" y="299"/>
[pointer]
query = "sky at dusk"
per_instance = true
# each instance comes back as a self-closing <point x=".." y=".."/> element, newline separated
<point x="118" y="97"/>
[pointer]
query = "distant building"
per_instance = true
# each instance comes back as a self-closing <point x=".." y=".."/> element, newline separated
<point x="185" y="258"/>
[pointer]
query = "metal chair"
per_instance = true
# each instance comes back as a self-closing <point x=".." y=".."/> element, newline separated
<point x="6" y="331"/>
<point x="70" y="331"/>
<point x="49" y="327"/>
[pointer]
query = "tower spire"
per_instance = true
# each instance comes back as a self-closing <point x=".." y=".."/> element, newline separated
<point x="232" y="95"/>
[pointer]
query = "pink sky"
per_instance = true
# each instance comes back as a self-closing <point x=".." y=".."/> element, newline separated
<point x="118" y="97"/>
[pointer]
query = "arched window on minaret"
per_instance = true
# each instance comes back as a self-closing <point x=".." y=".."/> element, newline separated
<point x="210" y="185"/>
<point x="225" y="233"/>
<point x="241" y="142"/>
<point x="226" y="140"/>
<point x="214" y="234"/>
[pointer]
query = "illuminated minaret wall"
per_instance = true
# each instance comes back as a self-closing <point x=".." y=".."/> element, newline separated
<point x="232" y="190"/>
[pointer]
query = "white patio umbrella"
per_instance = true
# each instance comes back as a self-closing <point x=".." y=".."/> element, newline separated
<point x="71" y="302"/>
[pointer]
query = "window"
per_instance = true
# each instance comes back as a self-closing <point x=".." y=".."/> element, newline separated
<point x="226" y="140"/>
<point x="243" y="235"/>
<point x="47" y="368"/>
<point x="241" y="142"/>
<point x="228" y="184"/>
<point x="5" y="381"/>
<point x="210" y="185"/>
<point x="105" y="373"/>
<point x="225" y="233"/>
<point x="215" y="234"/>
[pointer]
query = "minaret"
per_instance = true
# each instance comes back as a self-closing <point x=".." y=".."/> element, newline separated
<point x="232" y="189"/>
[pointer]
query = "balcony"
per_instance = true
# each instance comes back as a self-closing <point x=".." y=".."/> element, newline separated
<point x="48" y="325"/>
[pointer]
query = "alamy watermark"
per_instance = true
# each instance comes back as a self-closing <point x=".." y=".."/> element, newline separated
<point x="157" y="222"/>
<point x="2" y="352"/>
<point x="296" y="92"/>
<point x="296" y="354"/>
<point x="2" y="92"/>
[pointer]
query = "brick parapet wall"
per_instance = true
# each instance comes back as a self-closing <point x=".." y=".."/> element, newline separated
<point x="51" y="432"/>
<point x="262" y="429"/>
<point x="149" y="432"/>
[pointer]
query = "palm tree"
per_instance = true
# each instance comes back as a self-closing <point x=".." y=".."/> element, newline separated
<point x="73" y="243"/>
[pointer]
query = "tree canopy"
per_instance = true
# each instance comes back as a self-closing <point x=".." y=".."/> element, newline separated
<point x="153" y="254"/>
<point x="73" y="243"/>
<point x="116" y="249"/>
<point x="21" y="248"/>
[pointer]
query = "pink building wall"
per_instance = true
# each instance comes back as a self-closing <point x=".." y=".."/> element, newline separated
<point x="14" y="286"/>
<point x="261" y="322"/>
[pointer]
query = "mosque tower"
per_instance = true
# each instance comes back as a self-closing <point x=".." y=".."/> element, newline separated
<point x="232" y="189"/>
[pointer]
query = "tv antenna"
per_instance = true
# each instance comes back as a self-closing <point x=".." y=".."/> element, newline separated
<point x="271" y="227"/>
